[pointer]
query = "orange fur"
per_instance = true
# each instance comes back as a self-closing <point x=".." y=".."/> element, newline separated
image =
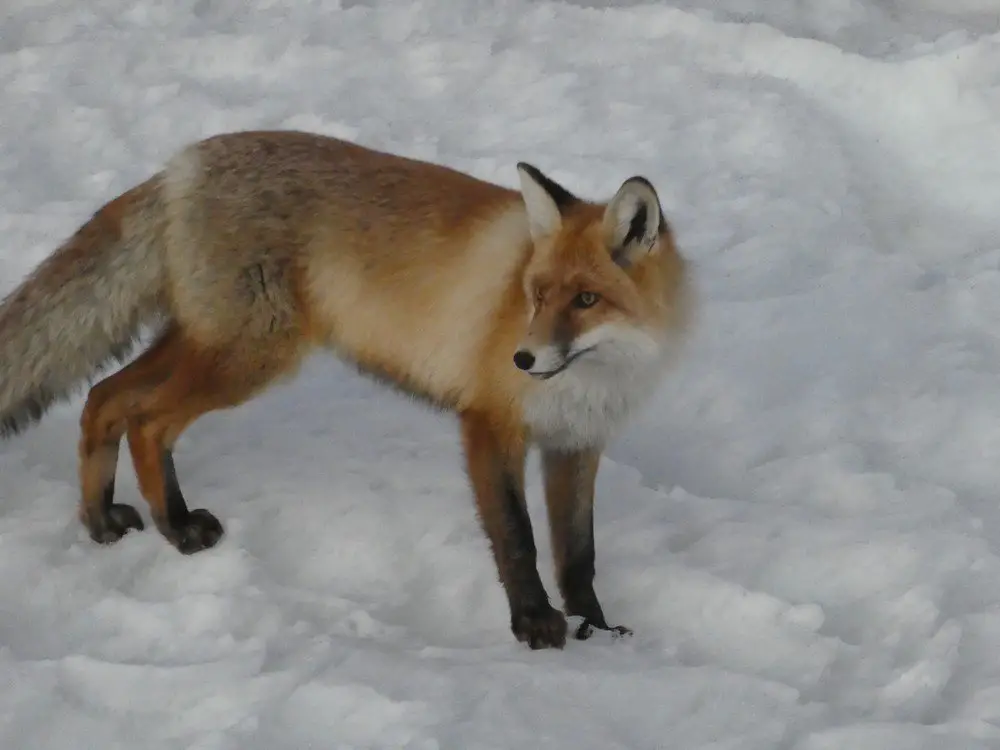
<point x="256" y="248"/>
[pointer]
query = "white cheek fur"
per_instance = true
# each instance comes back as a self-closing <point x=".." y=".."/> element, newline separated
<point x="546" y="358"/>
<point x="586" y="404"/>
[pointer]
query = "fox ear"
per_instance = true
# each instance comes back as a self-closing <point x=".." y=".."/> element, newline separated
<point x="544" y="200"/>
<point x="633" y="221"/>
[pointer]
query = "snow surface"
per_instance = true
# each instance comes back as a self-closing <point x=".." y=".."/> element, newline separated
<point x="803" y="530"/>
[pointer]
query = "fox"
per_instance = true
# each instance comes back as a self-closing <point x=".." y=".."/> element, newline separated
<point x="538" y="318"/>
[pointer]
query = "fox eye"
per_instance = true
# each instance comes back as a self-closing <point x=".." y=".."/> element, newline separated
<point x="585" y="299"/>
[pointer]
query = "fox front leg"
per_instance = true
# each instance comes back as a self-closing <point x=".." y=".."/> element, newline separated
<point x="569" y="494"/>
<point x="495" y="459"/>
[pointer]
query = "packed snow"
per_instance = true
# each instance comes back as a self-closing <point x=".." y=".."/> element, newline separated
<point x="803" y="529"/>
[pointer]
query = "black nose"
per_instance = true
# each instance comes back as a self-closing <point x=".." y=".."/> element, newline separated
<point x="524" y="359"/>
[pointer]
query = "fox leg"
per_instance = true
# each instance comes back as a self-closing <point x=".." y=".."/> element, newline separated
<point x="495" y="465"/>
<point x="154" y="400"/>
<point x="569" y="494"/>
<point x="102" y="425"/>
<point x="196" y="380"/>
<point x="151" y="436"/>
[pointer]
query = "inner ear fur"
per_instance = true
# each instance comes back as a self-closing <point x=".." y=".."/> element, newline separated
<point x="633" y="221"/>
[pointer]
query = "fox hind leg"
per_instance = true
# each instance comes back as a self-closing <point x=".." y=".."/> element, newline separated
<point x="167" y="389"/>
<point x="198" y="380"/>
<point x="103" y="423"/>
<point x="152" y="456"/>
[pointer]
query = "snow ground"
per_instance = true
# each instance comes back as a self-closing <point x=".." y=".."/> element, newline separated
<point x="804" y="529"/>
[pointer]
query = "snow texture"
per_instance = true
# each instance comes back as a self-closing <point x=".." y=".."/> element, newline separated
<point x="804" y="527"/>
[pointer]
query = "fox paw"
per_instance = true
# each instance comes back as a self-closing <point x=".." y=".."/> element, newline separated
<point x="199" y="530"/>
<point x="587" y="628"/>
<point x="114" y="523"/>
<point x="540" y="627"/>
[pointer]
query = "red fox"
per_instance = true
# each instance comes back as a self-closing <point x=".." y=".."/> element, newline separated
<point x="537" y="317"/>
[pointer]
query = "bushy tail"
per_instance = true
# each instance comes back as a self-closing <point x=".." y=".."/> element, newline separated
<point x="82" y="307"/>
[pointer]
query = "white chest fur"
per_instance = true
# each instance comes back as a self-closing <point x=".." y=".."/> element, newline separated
<point x="589" y="402"/>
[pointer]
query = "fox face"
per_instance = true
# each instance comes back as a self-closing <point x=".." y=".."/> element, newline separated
<point x="604" y="287"/>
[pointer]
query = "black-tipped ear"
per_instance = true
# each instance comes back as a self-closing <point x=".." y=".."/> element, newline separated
<point x="544" y="200"/>
<point x="633" y="221"/>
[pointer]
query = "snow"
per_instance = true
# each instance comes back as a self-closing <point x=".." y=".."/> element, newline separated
<point x="803" y="529"/>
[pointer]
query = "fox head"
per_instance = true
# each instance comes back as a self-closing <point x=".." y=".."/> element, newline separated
<point x="604" y="283"/>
